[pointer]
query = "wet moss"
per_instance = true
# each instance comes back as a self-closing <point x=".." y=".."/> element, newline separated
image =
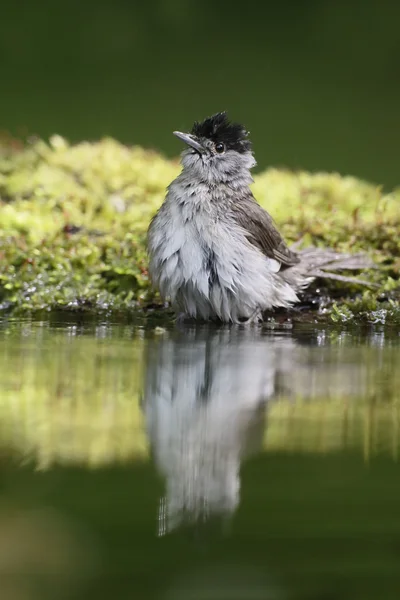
<point x="73" y="223"/>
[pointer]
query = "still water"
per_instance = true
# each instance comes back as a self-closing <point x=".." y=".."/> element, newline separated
<point x="198" y="463"/>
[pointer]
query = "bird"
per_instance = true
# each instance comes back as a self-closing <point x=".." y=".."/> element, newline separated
<point x="214" y="253"/>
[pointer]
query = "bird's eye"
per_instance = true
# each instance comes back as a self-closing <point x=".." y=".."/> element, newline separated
<point x="220" y="147"/>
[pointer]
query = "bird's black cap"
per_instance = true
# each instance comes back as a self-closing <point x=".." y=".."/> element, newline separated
<point x="218" y="128"/>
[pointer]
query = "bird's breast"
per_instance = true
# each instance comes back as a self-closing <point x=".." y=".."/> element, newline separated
<point x="202" y="259"/>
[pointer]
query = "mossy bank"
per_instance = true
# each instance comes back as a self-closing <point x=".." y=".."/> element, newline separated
<point x="73" y="222"/>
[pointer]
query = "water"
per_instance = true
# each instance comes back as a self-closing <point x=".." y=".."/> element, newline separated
<point x="199" y="463"/>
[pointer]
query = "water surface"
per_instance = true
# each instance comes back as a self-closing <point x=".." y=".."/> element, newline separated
<point x="198" y="462"/>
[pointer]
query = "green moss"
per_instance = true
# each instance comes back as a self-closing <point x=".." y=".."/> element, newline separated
<point x="73" y="221"/>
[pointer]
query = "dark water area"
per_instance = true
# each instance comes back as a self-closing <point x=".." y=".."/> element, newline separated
<point x="316" y="82"/>
<point x="141" y="462"/>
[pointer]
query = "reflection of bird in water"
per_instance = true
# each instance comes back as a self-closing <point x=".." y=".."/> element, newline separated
<point x="204" y="399"/>
<point x="205" y="396"/>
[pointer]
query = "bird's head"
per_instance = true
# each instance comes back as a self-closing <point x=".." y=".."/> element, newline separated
<point x="218" y="150"/>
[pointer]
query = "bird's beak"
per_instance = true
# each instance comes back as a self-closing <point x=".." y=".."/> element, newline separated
<point x="190" y="140"/>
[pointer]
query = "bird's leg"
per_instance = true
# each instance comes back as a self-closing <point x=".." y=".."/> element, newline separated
<point x="183" y="319"/>
<point x="255" y="317"/>
<point x="180" y="318"/>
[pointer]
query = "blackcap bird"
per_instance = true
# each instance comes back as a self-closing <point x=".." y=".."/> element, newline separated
<point x="214" y="252"/>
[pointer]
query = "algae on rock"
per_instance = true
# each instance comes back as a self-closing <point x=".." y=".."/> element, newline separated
<point x="73" y="222"/>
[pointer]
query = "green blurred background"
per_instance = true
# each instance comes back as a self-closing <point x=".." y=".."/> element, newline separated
<point x="317" y="82"/>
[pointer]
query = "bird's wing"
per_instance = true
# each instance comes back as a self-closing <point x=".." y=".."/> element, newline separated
<point x="261" y="231"/>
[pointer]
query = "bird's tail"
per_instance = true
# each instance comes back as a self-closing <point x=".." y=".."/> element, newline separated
<point x="324" y="262"/>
